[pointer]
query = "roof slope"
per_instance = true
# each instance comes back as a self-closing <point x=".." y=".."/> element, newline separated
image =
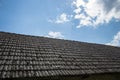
<point x="33" y="56"/>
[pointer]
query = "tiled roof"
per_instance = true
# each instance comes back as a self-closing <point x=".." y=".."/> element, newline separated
<point x="33" y="56"/>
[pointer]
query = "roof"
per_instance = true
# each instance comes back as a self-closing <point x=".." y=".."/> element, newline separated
<point x="33" y="56"/>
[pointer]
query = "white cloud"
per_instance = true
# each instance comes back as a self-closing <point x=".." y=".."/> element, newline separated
<point x="79" y="3"/>
<point x="96" y="11"/>
<point x="116" y="40"/>
<point x="55" y="35"/>
<point x="77" y="11"/>
<point x="61" y="19"/>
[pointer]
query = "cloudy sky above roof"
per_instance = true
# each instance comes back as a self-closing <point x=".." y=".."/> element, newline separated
<point x="94" y="21"/>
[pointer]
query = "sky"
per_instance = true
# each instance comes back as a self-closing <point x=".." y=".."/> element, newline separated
<point x="93" y="21"/>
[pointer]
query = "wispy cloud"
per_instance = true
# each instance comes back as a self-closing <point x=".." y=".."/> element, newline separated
<point x="116" y="40"/>
<point x="55" y="35"/>
<point x="95" y="12"/>
<point x="63" y="18"/>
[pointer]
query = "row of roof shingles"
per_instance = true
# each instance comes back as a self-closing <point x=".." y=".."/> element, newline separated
<point x="16" y="66"/>
<point x="88" y="56"/>
<point x="51" y="57"/>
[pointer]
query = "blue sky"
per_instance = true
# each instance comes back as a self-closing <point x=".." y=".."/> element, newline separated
<point x="93" y="21"/>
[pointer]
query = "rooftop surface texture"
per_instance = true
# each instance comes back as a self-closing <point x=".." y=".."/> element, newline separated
<point x="33" y="56"/>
